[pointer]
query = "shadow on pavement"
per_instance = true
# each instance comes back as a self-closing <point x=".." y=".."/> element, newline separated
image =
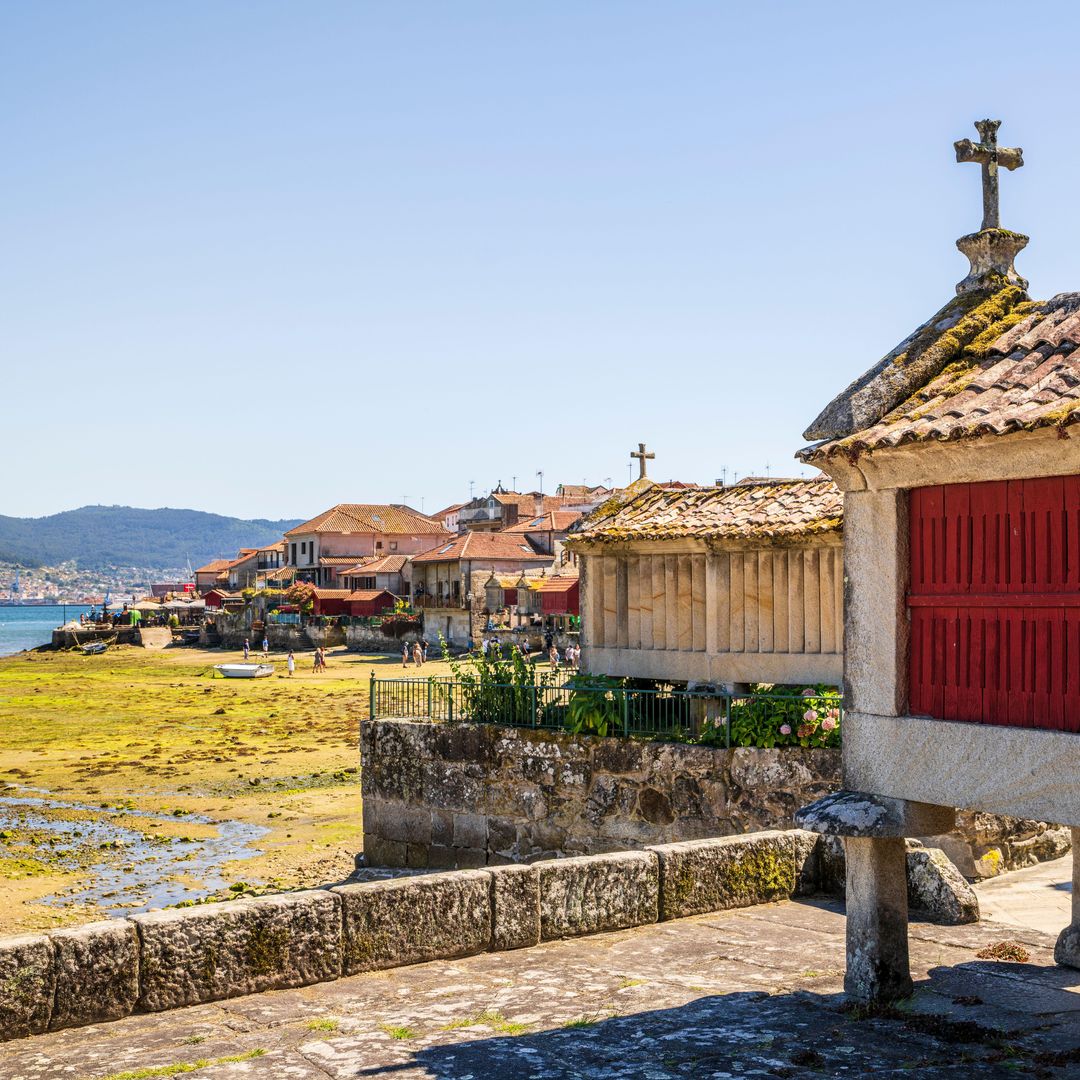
<point x="782" y="1035"/>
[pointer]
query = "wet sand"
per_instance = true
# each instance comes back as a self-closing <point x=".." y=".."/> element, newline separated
<point x="137" y="779"/>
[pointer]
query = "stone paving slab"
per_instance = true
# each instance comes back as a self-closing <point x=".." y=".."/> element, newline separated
<point x="751" y="992"/>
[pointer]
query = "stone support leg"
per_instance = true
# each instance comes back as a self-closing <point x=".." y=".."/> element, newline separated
<point x="877" y="919"/>
<point x="1067" y="950"/>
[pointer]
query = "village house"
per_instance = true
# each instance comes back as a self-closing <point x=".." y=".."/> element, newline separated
<point x="548" y="531"/>
<point x="722" y="586"/>
<point x="501" y="509"/>
<point x="348" y="533"/>
<point x="212" y="574"/>
<point x="959" y="461"/>
<point x="448" y="583"/>
<point x="390" y="572"/>
<point x="449" y="517"/>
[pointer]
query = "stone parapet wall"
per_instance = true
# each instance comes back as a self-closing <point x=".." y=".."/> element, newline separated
<point x="470" y="795"/>
<point x="193" y="956"/>
<point x="179" y="957"/>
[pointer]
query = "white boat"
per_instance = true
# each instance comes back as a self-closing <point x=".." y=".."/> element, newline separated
<point x="245" y="671"/>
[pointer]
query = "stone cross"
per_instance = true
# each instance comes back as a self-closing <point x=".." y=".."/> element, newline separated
<point x="989" y="155"/>
<point x="642" y="457"/>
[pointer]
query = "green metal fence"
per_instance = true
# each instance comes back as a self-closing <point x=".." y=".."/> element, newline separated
<point x="607" y="709"/>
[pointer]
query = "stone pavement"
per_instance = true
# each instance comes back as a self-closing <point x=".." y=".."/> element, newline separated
<point x="751" y="992"/>
<point x="1038" y="897"/>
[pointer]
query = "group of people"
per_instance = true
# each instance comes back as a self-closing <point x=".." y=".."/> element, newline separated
<point x="418" y="653"/>
<point x="492" y="648"/>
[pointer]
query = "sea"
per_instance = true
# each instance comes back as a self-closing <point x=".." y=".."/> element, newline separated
<point x="30" y="626"/>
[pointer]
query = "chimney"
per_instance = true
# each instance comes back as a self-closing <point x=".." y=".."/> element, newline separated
<point x="538" y="504"/>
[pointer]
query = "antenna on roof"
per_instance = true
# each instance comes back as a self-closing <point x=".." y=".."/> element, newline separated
<point x="471" y="483"/>
<point x="540" y="473"/>
<point x="513" y="483"/>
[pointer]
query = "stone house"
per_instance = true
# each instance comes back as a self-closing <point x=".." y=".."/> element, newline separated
<point x="715" y="585"/>
<point x="960" y="467"/>
<point x="348" y="533"/>
<point x="448" y="583"/>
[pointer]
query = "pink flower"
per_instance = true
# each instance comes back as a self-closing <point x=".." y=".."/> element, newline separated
<point x="834" y="713"/>
<point x="828" y="724"/>
<point x="809" y="692"/>
<point x="785" y="729"/>
<point x="810" y="716"/>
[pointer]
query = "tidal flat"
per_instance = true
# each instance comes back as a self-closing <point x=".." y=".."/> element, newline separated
<point x="139" y="779"/>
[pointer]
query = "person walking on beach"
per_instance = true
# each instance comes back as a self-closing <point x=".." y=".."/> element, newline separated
<point x="404" y="654"/>
<point x="553" y="656"/>
<point x="418" y="655"/>
<point x="247" y="650"/>
<point x="315" y="662"/>
<point x="424" y="648"/>
<point x="290" y="663"/>
<point x="266" y="647"/>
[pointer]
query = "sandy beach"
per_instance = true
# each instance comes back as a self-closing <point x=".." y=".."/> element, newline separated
<point x="138" y="779"/>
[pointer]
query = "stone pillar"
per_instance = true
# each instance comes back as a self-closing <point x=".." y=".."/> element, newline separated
<point x="877" y="919"/>
<point x="1067" y="950"/>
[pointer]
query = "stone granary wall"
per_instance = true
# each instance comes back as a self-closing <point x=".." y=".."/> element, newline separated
<point x="470" y="795"/>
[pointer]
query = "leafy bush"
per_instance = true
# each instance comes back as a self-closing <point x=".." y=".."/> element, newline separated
<point x="497" y="688"/>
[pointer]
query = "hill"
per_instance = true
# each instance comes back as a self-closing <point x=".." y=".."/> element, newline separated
<point x="102" y="536"/>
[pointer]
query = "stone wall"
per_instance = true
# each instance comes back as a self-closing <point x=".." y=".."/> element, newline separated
<point x="446" y="795"/>
<point x="467" y="795"/>
<point x="170" y="959"/>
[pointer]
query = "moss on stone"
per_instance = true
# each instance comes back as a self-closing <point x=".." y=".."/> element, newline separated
<point x="267" y="948"/>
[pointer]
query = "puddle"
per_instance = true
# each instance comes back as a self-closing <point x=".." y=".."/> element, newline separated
<point x="127" y="871"/>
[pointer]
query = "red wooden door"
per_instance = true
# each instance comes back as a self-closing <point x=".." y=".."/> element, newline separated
<point x="995" y="602"/>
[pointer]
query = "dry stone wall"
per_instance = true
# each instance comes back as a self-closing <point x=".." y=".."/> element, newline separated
<point x="469" y="795"/>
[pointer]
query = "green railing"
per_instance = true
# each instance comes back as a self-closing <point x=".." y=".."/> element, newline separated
<point x="812" y="717"/>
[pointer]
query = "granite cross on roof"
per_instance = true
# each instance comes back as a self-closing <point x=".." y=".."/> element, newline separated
<point x="989" y="155"/>
<point x="642" y="457"/>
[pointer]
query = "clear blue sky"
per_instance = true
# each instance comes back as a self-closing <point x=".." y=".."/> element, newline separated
<point x="259" y="258"/>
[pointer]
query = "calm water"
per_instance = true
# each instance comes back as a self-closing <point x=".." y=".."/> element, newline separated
<point x="25" y="627"/>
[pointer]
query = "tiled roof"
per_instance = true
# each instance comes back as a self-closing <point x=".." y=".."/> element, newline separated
<point x="770" y="510"/>
<point x="387" y="564"/>
<point x="370" y="518"/>
<point x="282" y="573"/>
<point x="339" y="560"/>
<point x="1015" y="369"/>
<point x="447" y="510"/>
<point x="214" y="566"/>
<point x="351" y="594"/>
<point x="485" y="545"/>
<point x="552" y="521"/>
<point x="562" y="583"/>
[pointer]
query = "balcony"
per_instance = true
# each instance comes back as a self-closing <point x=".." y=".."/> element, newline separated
<point x="480" y="513"/>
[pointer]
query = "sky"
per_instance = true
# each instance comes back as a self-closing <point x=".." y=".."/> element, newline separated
<point x="263" y="257"/>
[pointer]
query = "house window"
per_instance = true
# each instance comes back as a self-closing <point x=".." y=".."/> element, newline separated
<point x="303" y="547"/>
<point x="378" y="545"/>
<point x="995" y="602"/>
<point x="393" y="545"/>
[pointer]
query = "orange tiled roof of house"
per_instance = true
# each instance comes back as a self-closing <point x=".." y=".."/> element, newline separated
<point x="485" y="545"/>
<point x="755" y="510"/>
<point x="339" y="560"/>
<point x="552" y="521"/>
<point x="213" y="566"/>
<point x="986" y="364"/>
<point x="370" y="518"/>
<point x="560" y="583"/>
<point x="351" y="594"/>
<point x="386" y="564"/>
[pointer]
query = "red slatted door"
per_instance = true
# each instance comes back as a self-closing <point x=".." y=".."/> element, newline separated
<point x="995" y="602"/>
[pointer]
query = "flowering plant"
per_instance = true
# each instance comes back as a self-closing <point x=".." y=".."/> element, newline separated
<point x="782" y="716"/>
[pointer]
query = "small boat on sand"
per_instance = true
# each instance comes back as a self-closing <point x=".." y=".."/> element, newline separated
<point x="92" y="648"/>
<point x="245" y="671"/>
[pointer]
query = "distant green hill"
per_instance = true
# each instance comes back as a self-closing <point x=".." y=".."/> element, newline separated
<point x="102" y="536"/>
